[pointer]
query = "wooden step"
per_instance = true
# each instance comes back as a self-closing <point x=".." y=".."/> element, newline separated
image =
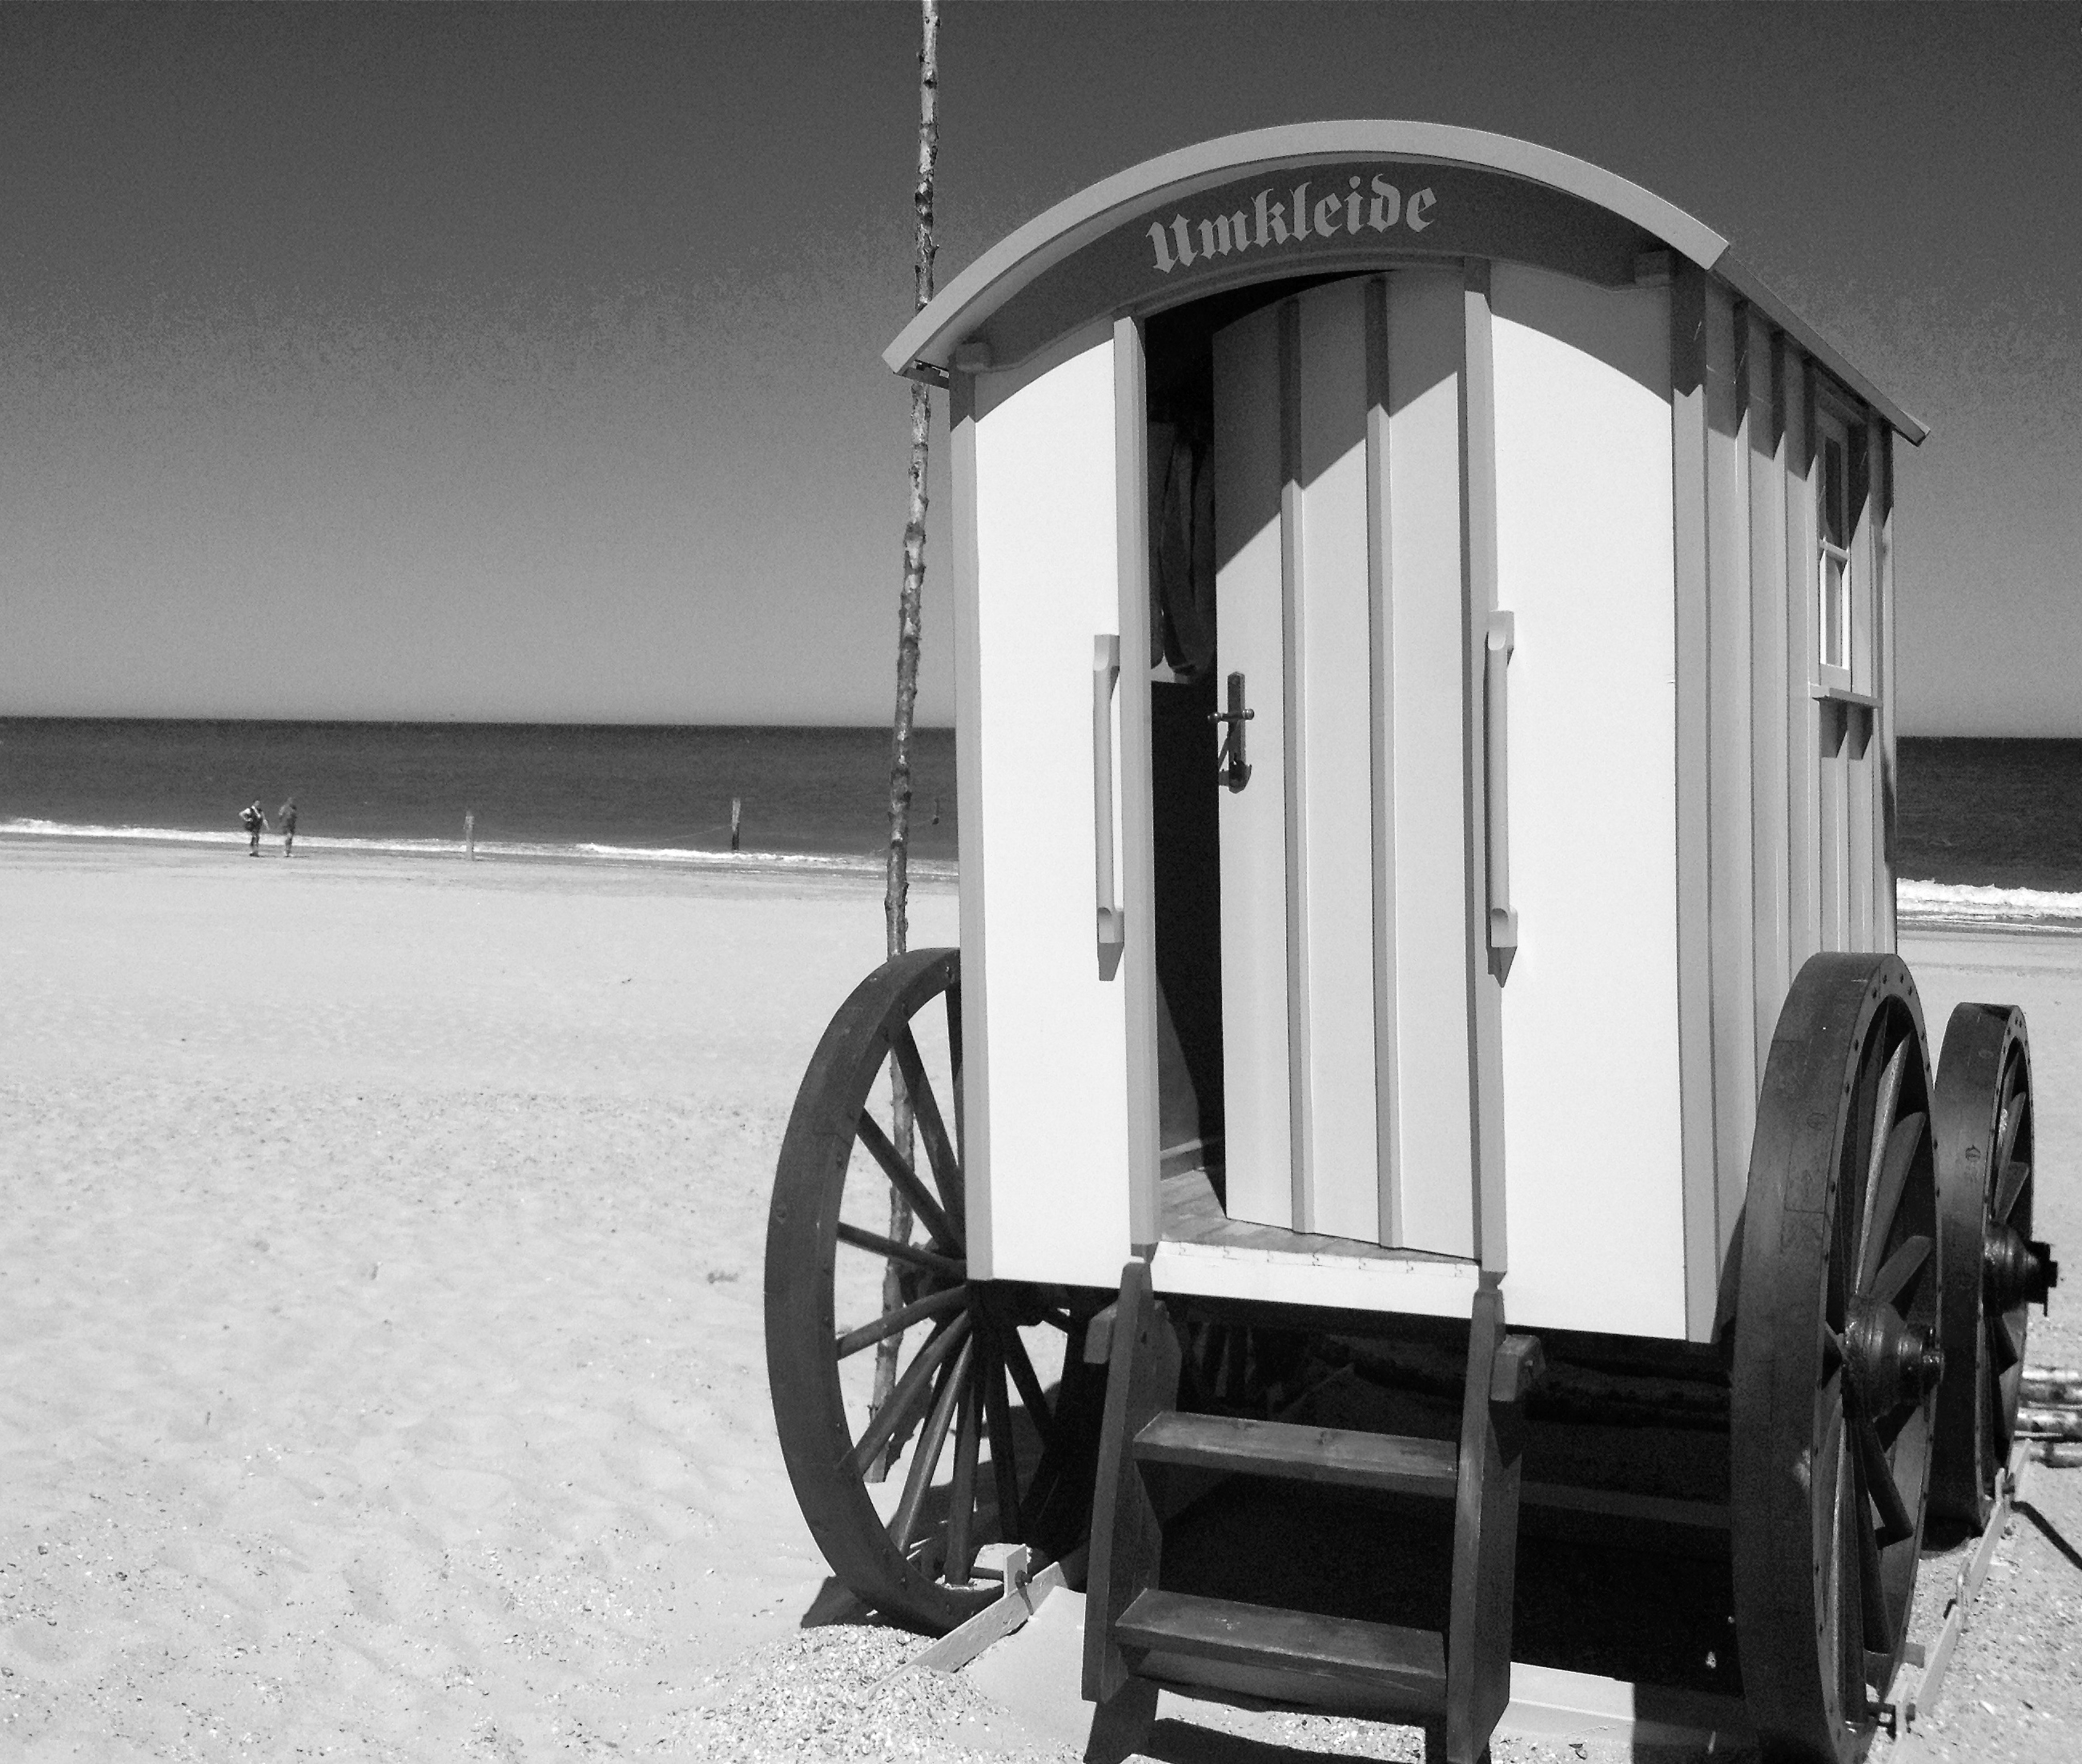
<point x="1403" y="1667"/>
<point x="1390" y="1463"/>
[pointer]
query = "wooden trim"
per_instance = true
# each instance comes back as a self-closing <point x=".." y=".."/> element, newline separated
<point x="1884" y="927"/>
<point x="1137" y="879"/>
<point x="1732" y="905"/>
<point x="1695" y="947"/>
<point x="1380" y="609"/>
<point x="1803" y="754"/>
<point x="964" y="305"/>
<point x="1300" y="1169"/>
<point x="963" y="577"/>
<point x="1763" y="433"/>
<point x="1478" y="566"/>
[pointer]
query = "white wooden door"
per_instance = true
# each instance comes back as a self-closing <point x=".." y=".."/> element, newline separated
<point x="1345" y="910"/>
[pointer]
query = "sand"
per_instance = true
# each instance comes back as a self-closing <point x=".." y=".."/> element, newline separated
<point x="381" y="1361"/>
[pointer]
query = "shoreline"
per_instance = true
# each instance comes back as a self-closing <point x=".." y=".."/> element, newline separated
<point x="449" y="858"/>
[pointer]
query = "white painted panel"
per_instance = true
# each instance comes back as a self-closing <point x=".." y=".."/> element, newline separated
<point x="1335" y="768"/>
<point x="1435" y="1170"/>
<point x="1046" y="567"/>
<point x="1590" y="1011"/>
<point x="1422" y="1286"/>
<point x="1247" y="477"/>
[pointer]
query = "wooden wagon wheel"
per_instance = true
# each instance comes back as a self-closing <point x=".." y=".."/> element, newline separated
<point x="965" y="1381"/>
<point x="1836" y="1358"/>
<point x="1994" y="1272"/>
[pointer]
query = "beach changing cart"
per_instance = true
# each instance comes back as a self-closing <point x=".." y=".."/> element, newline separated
<point x="1426" y="706"/>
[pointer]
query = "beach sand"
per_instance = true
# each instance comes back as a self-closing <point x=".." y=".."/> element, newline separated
<point x="381" y="1361"/>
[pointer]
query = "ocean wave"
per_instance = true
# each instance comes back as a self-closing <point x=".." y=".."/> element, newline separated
<point x="865" y="864"/>
<point x="1970" y="904"/>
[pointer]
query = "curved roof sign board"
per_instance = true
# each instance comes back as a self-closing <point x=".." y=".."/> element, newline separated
<point x="1318" y="199"/>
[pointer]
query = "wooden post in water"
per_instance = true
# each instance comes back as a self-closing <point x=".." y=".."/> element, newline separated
<point x="736" y="809"/>
<point x="469" y="834"/>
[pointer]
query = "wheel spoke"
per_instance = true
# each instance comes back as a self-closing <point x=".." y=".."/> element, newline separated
<point x="909" y="1397"/>
<point x="1903" y="1144"/>
<point x="907" y="1184"/>
<point x="1004" y="1450"/>
<point x="1872" y="1590"/>
<point x="892" y="1322"/>
<point x="1899" y="1269"/>
<point x="932" y="1441"/>
<point x="968" y="1438"/>
<point x="1878" y="1141"/>
<point x="2015" y="1175"/>
<point x="2003" y="1348"/>
<point x="1878" y="1476"/>
<point x="1999" y="1385"/>
<point x="2016" y="1104"/>
<point x="916" y="1255"/>
<point x="1021" y="1370"/>
<point x="1832" y="1353"/>
<point x="939" y="1153"/>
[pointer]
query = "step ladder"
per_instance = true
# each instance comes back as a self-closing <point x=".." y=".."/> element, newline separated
<point x="1138" y="1634"/>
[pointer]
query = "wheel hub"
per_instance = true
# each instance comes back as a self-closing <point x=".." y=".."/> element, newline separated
<point x="2017" y="1269"/>
<point x="1892" y="1362"/>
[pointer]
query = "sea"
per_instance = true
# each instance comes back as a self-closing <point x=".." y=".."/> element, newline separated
<point x="1985" y="829"/>
<point x="815" y="799"/>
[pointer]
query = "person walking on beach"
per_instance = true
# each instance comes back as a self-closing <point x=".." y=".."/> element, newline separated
<point x="254" y="820"/>
<point x="287" y="815"/>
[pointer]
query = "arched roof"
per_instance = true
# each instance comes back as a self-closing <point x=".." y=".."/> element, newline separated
<point x="1016" y="263"/>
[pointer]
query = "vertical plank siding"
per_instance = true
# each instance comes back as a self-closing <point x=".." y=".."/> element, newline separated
<point x="1138" y="857"/>
<point x="1695" y="948"/>
<point x="964" y="584"/>
<point x="1763" y="430"/>
<point x="1591" y="1095"/>
<point x="1729" y="804"/>
<point x="1883" y="628"/>
<point x="1479" y="599"/>
<point x="1047" y="557"/>
<point x="1803" y="713"/>
<point x="1339" y="1100"/>
<point x="1292" y="540"/>
<point x="1382" y="655"/>
<point x="1250" y="489"/>
<point x="1433" y="1168"/>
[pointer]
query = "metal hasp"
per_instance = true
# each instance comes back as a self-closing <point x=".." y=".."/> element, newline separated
<point x="1235" y="771"/>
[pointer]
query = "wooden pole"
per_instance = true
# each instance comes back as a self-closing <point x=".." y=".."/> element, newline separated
<point x="910" y="601"/>
<point x="736" y="809"/>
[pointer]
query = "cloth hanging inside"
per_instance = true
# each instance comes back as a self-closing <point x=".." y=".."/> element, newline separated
<point x="1181" y="553"/>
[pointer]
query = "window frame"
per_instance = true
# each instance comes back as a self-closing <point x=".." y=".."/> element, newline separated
<point x="1852" y="676"/>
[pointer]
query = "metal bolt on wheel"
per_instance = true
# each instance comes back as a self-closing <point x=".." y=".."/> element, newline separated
<point x="966" y="1384"/>
<point x="1837" y="1357"/>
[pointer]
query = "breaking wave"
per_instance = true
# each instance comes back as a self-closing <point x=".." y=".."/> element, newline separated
<point x="866" y="864"/>
<point x="1968" y="903"/>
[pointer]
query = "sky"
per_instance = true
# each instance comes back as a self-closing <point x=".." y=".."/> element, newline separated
<point x="522" y="362"/>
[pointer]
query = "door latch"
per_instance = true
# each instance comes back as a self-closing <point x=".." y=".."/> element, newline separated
<point x="1234" y="772"/>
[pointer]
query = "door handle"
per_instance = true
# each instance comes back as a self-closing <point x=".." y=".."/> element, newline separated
<point x="1234" y="772"/>
<point x="1496" y="753"/>
<point x="1112" y="930"/>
